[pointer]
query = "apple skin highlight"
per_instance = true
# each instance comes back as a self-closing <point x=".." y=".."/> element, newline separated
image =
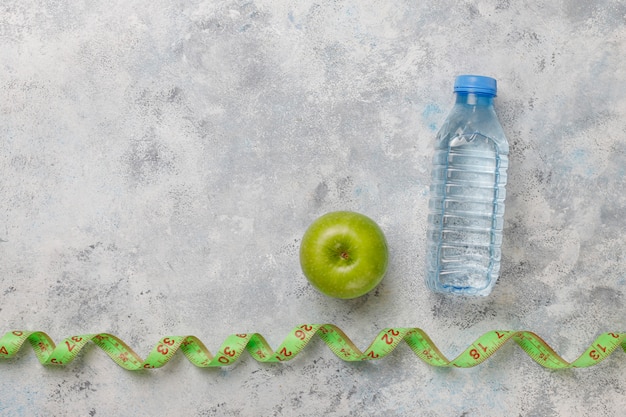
<point x="344" y="254"/>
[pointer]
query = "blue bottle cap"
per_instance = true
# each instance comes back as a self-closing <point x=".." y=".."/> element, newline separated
<point x="475" y="84"/>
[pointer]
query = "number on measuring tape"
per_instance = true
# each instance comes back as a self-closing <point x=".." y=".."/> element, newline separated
<point x="474" y="354"/>
<point x="162" y="349"/>
<point x="594" y="354"/>
<point x="71" y="346"/>
<point x="284" y="352"/>
<point x="3" y="350"/>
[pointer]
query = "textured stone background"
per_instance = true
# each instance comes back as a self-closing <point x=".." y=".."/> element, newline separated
<point x="160" y="161"/>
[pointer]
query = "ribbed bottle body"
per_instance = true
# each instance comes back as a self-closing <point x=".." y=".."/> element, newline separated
<point x="466" y="209"/>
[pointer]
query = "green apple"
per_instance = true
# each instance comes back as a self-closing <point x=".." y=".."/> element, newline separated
<point x="344" y="254"/>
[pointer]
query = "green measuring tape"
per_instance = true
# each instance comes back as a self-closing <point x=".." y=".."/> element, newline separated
<point x="256" y="345"/>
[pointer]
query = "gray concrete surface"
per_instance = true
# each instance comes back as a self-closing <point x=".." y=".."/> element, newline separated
<point x="160" y="161"/>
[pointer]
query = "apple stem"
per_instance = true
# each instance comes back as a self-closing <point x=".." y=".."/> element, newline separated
<point x="345" y="255"/>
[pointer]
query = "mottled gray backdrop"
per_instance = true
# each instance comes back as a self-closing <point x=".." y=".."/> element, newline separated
<point x="160" y="161"/>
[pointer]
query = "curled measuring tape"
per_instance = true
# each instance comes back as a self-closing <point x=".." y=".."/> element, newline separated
<point x="255" y="344"/>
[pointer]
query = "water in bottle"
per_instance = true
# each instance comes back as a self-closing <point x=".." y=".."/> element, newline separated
<point x="467" y="193"/>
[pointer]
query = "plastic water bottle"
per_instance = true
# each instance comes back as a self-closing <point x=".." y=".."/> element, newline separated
<point x="466" y="205"/>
